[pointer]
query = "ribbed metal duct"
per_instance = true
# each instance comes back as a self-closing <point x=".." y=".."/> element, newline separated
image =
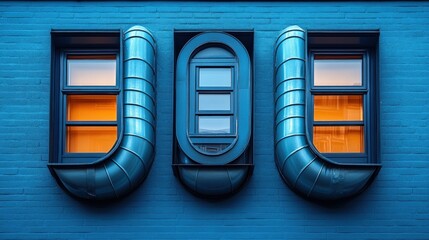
<point x="303" y="169"/>
<point x="129" y="162"/>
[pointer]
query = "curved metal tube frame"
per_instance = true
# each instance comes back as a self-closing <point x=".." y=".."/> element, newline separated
<point x="129" y="162"/>
<point x="213" y="176"/>
<point x="300" y="165"/>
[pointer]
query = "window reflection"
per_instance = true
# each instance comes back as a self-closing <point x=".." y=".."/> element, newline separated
<point x="91" y="71"/>
<point x="215" y="77"/>
<point x="90" y="139"/>
<point x="338" y="108"/>
<point x="91" y="107"/>
<point x="338" y="71"/>
<point x="214" y="124"/>
<point x="338" y="139"/>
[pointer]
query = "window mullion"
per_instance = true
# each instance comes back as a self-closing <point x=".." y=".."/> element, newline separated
<point x="91" y="123"/>
<point x="338" y="123"/>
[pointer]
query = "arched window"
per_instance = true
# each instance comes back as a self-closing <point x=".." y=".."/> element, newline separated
<point x="213" y="100"/>
<point x="213" y="119"/>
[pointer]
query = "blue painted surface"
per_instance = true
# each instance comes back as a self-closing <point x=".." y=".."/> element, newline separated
<point x="396" y="206"/>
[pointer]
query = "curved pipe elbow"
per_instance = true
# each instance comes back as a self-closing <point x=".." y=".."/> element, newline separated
<point x="212" y="181"/>
<point x="129" y="163"/>
<point x="302" y="168"/>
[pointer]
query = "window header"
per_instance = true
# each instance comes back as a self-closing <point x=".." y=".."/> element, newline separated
<point x="343" y="39"/>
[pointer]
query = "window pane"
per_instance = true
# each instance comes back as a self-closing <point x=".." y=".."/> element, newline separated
<point x="91" y="108"/>
<point x="338" y="108"/>
<point x="338" y="139"/>
<point x="214" y="124"/>
<point x="208" y="102"/>
<point x="91" y="72"/>
<point x="89" y="139"/>
<point x="215" y="77"/>
<point x="338" y="72"/>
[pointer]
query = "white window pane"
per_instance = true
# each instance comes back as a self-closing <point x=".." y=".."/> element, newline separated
<point x="212" y="102"/>
<point x="215" y="77"/>
<point x="338" y="72"/>
<point x="214" y="124"/>
<point x="91" y="72"/>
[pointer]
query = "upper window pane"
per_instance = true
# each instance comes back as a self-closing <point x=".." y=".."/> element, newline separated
<point x="215" y="77"/>
<point x="214" y="102"/>
<point x="338" y="71"/>
<point x="91" y="107"/>
<point x="338" y="108"/>
<point x="91" y="71"/>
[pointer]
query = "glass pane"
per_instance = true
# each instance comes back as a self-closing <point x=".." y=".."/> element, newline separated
<point x="214" y="52"/>
<point x="91" y="71"/>
<point x="215" y="77"/>
<point x="338" y="108"/>
<point x="214" y="124"/>
<point x="329" y="71"/>
<point x="338" y="139"/>
<point x="90" y="139"/>
<point x="208" y="102"/>
<point x="91" y="108"/>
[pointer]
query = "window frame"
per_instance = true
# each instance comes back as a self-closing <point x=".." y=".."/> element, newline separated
<point x="81" y="43"/>
<point x="366" y="90"/>
<point x="195" y="89"/>
<point x="187" y="47"/>
<point x="67" y="90"/>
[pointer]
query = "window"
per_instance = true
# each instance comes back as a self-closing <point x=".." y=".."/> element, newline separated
<point x="342" y="116"/>
<point x="213" y="80"/>
<point x="90" y="113"/>
<point x="213" y="97"/>
<point x="85" y="96"/>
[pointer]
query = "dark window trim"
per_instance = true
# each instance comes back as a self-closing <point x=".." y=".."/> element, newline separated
<point x="345" y="43"/>
<point x="183" y="41"/>
<point x="77" y="42"/>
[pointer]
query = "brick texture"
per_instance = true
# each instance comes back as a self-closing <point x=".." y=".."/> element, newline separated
<point x="396" y="206"/>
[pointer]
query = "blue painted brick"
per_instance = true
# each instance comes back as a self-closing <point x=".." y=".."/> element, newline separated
<point x="396" y="206"/>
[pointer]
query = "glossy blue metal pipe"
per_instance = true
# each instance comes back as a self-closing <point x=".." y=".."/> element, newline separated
<point x="303" y="169"/>
<point x="129" y="162"/>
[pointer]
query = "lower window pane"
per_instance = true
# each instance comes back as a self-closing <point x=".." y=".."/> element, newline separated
<point x="338" y="139"/>
<point x="214" y="124"/>
<point x="90" y="139"/>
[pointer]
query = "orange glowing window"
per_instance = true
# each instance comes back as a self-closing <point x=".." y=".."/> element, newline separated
<point x="338" y="139"/>
<point x="87" y="109"/>
<point x="338" y="108"/>
<point x="90" y="139"/>
<point x="338" y="118"/>
<point x="91" y="107"/>
<point x="91" y="119"/>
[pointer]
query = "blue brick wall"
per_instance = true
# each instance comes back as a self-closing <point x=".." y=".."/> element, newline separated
<point x="396" y="206"/>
